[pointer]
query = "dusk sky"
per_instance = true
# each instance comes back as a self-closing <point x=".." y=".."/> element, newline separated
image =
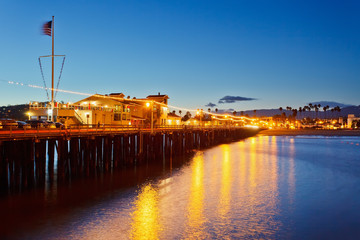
<point x="234" y="54"/>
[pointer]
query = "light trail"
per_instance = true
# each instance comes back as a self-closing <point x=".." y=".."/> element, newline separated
<point x="133" y="100"/>
<point x="45" y="88"/>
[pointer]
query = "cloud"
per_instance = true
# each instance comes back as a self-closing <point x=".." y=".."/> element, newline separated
<point x="210" y="104"/>
<point x="232" y="99"/>
<point x="229" y="110"/>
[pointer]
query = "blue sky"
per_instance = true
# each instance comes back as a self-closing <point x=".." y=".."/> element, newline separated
<point x="275" y="53"/>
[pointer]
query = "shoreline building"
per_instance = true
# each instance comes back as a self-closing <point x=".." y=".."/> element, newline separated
<point x="108" y="109"/>
<point x="351" y="118"/>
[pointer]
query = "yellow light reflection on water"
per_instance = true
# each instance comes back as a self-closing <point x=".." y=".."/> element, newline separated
<point x="225" y="196"/>
<point x="291" y="177"/>
<point x="195" y="210"/>
<point x="257" y="193"/>
<point x="145" y="218"/>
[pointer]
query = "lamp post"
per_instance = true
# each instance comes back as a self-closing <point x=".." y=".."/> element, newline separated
<point x="151" y="105"/>
<point x="199" y="112"/>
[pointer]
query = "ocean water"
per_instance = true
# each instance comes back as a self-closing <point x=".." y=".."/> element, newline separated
<point x="264" y="187"/>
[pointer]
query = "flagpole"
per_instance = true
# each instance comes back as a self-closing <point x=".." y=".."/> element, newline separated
<point x="52" y="69"/>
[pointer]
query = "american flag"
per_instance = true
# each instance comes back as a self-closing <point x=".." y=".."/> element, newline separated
<point x="47" y="28"/>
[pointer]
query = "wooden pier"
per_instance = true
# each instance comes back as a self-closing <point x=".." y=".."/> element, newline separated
<point x="30" y="160"/>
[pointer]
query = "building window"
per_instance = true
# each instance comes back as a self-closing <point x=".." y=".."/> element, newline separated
<point x="118" y="108"/>
<point x="117" y="116"/>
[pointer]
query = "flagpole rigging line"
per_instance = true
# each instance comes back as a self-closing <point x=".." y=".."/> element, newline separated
<point x="58" y="82"/>
<point x="43" y="77"/>
<point x="42" y="74"/>
<point x="51" y="56"/>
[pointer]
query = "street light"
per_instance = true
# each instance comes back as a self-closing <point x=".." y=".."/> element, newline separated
<point x="152" y="114"/>
<point x="29" y="114"/>
<point x="199" y="112"/>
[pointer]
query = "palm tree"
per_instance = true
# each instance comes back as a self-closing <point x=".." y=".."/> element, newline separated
<point x="316" y="110"/>
<point x="300" y="111"/>
<point x="294" y="112"/>
<point x="289" y="109"/>
<point x="325" y="109"/>
<point x="209" y="110"/>
<point x="180" y="112"/>
<point x="242" y="113"/>
<point x="234" y="113"/>
<point x="216" y="110"/>
<point x="338" y="109"/>
<point x="254" y="113"/>
<point x="311" y="106"/>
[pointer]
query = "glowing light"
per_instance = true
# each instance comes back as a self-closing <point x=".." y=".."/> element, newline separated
<point x="195" y="209"/>
<point x="147" y="104"/>
<point x="251" y="126"/>
<point x="145" y="218"/>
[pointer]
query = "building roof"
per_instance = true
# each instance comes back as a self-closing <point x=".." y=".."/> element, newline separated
<point x="158" y="96"/>
<point x="98" y="97"/>
<point x="117" y="94"/>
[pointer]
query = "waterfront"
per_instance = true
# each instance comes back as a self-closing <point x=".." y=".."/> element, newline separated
<point x="270" y="187"/>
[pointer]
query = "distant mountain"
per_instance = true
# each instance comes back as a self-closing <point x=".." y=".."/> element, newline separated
<point x="332" y="104"/>
<point x="321" y="114"/>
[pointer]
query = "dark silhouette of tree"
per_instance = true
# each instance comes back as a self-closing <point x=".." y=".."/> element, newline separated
<point x="209" y="110"/>
<point x="337" y="109"/>
<point x="254" y="113"/>
<point x="332" y="112"/>
<point x="325" y="109"/>
<point x="180" y="112"/>
<point x="186" y="117"/>
<point x="310" y="108"/>
<point x="242" y="113"/>
<point x="216" y="110"/>
<point x="234" y="113"/>
<point x="295" y="111"/>
<point x="316" y="110"/>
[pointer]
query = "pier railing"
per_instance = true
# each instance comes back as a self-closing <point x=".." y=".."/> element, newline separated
<point x="91" y="129"/>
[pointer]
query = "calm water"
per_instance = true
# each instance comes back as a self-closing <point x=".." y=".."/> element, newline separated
<point x="260" y="188"/>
